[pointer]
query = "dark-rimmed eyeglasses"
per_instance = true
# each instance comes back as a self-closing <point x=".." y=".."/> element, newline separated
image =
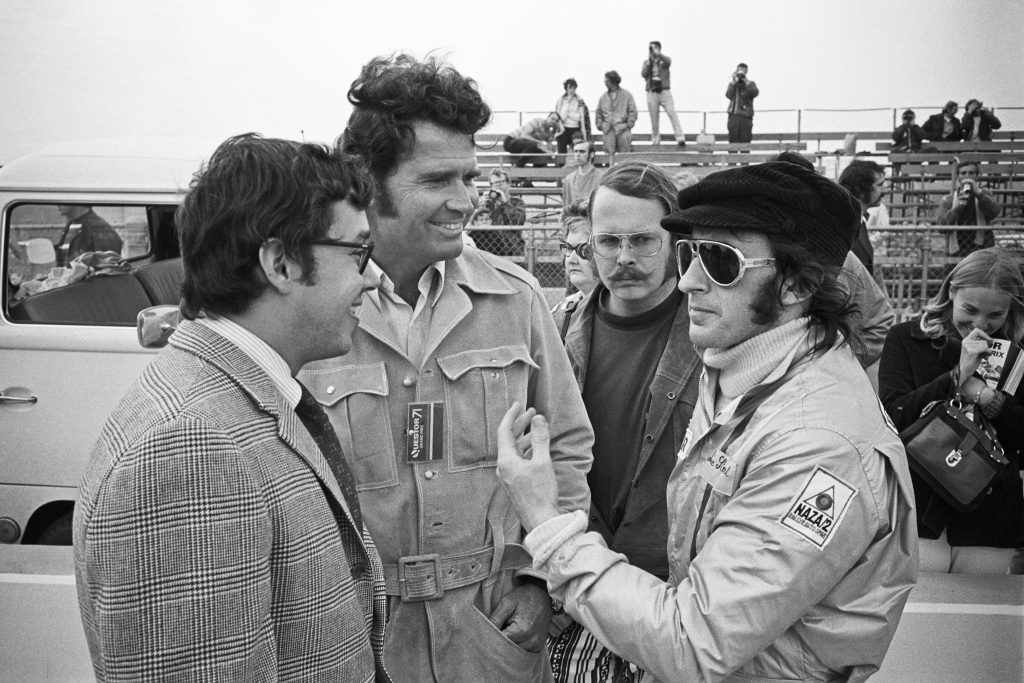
<point x="364" y="249"/>
<point x="723" y="263"/>
<point x="608" y="244"/>
<point x="583" y="249"/>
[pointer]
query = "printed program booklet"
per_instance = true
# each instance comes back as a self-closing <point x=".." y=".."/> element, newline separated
<point x="1003" y="369"/>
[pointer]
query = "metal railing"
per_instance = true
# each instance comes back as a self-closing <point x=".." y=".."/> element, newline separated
<point x="800" y="122"/>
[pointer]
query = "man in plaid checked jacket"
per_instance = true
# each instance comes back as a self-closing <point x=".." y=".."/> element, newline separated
<point x="213" y="538"/>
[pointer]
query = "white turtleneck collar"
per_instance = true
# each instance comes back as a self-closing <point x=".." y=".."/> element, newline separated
<point x="747" y="364"/>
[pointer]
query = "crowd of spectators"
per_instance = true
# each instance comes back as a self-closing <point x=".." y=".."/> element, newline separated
<point x="977" y="125"/>
<point x="347" y="438"/>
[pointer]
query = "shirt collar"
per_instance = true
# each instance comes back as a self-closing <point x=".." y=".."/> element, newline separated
<point x="261" y="353"/>
<point x="434" y="273"/>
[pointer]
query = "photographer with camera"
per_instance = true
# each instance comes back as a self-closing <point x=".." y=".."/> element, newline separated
<point x="741" y="93"/>
<point x="978" y="122"/>
<point x="655" y="72"/>
<point x="534" y="137"/>
<point x="501" y="208"/>
<point x="907" y="137"/>
<point x="968" y="204"/>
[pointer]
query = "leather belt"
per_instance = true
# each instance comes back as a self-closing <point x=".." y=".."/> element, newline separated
<point x="426" y="577"/>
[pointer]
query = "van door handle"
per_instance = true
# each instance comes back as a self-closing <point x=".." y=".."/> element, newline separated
<point x="17" y="399"/>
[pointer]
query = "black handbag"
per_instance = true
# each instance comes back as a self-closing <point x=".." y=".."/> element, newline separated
<point x="956" y="454"/>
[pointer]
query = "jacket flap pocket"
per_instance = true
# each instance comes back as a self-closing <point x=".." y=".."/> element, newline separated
<point x="458" y="364"/>
<point x="330" y="386"/>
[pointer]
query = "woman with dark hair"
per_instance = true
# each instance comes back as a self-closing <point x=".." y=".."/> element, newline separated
<point x="575" y="116"/>
<point x="929" y="359"/>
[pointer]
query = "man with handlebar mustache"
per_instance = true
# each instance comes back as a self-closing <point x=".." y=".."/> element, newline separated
<point x="631" y="354"/>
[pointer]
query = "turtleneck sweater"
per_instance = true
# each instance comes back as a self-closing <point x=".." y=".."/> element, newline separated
<point x="743" y="366"/>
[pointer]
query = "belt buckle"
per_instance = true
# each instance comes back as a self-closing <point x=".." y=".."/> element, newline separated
<point x="414" y="569"/>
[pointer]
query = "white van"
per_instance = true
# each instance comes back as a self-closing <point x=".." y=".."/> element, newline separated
<point x="68" y="352"/>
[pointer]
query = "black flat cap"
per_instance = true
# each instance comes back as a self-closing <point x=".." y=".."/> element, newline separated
<point x="775" y="198"/>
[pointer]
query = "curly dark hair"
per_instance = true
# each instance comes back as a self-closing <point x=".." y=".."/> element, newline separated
<point x="393" y="93"/>
<point x="859" y="178"/>
<point x="253" y="189"/>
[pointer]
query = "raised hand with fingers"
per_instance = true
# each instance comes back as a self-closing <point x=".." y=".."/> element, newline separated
<point x="524" y="466"/>
<point x="973" y="349"/>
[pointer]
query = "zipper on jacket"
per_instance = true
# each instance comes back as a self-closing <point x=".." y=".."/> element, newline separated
<point x="700" y="518"/>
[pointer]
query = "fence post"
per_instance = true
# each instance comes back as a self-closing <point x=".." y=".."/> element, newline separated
<point x="799" y="123"/>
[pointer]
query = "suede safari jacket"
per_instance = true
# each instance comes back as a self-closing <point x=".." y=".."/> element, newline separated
<point x="765" y="586"/>
<point x="448" y="520"/>
<point x="643" y="532"/>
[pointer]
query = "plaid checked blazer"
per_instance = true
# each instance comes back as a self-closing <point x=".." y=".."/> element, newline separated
<point x="211" y="539"/>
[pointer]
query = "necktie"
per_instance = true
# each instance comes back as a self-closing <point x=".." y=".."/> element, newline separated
<point x="313" y="416"/>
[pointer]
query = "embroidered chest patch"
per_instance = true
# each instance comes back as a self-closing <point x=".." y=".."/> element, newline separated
<point x="818" y="509"/>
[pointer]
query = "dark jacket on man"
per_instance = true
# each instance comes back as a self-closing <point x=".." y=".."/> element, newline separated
<point x="643" y="532"/>
<point x="934" y="125"/>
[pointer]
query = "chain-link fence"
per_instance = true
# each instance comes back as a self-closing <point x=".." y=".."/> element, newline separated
<point x="912" y="260"/>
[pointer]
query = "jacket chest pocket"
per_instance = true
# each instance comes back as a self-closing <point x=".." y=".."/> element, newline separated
<point x="480" y="386"/>
<point x="716" y="476"/>
<point x="356" y="400"/>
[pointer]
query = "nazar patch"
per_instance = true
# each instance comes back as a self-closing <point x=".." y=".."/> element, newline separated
<point x="818" y="509"/>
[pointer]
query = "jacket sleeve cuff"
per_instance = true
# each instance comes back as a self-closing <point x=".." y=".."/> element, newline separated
<point x="548" y="537"/>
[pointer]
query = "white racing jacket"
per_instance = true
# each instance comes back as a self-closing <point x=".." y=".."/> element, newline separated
<point x="792" y="539"/>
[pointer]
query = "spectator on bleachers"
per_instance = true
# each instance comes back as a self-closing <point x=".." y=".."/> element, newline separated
<point x="874" y="312"/>
<point x="944" y="126"/>
<point x="84" y="231"/>
<point x="865" y="180"/>
<point x="574" y="114"/>
<point x="616" y="115"/>
<point x="978" y="122"/>
<point x="907" y="136"/>
<point x="581" y="182"/>
<point x="534" y="137"/>
<point x="968" y="204"/>
<point x="928" y="358"/>
<point x="580" y="268"/>
<point x="741" y="93"/>
<point x="657" y="82"/>
<point x="500" y="208"/>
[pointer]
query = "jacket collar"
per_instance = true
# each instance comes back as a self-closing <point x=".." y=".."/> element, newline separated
<point x="678" y="359"/>
<point x="470" y="271"/>
<point x="199" y="340"/>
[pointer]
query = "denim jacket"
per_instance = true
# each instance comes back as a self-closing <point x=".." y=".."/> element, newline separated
<point x="642" y="535"/>
<point x="492" y="342"/>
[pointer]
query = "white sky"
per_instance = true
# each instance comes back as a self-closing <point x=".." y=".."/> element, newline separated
<point x="96" y="68"/>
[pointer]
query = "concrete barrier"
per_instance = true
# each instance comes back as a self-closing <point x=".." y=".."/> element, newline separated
<point x="959" y="628"/>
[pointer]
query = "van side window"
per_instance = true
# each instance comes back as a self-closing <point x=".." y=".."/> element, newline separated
<point x="75" y="263"/>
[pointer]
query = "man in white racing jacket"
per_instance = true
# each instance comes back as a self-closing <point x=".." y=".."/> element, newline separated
<point x="792" y="541"/>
